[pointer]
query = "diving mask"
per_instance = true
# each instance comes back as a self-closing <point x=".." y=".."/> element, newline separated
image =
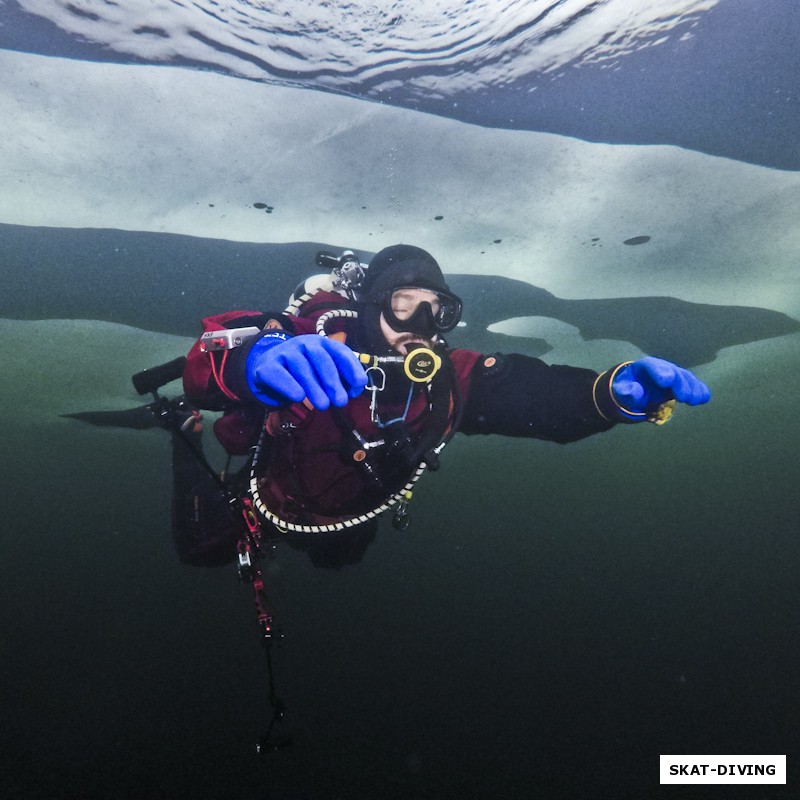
<point x="417" y="309"/>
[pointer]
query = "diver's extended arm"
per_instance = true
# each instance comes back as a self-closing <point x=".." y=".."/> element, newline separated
<point x="517" y="395"/>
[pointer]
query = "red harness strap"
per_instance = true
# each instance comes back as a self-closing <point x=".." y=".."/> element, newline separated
<point x="249" y="549"/>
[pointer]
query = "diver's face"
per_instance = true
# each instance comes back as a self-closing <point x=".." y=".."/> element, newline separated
<point x="404" y="303"/>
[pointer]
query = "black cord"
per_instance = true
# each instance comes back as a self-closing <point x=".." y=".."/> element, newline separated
<point x="266" y="744"/>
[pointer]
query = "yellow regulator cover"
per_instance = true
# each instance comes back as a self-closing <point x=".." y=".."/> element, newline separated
<point x="421" y="365"/>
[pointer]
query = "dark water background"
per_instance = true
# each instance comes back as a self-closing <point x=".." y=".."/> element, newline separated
<point x="555" y="619"/>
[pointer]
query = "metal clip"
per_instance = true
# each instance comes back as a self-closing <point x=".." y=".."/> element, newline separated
<point x="401" y="520"/>
<point x="374" y="388"/>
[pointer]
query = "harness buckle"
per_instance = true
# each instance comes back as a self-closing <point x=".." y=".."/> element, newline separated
<point x="244" y="566"/>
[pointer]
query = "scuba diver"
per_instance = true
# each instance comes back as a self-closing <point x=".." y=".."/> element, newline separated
<point x="345" y="398"/>
<point x="341" y="402"/>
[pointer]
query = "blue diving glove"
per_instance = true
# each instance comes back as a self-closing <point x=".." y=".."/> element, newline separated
<point x="642" y="386"/>
<point x="281" y="369"/>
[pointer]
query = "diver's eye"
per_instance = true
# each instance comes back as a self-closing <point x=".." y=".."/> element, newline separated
<point x="406" y="301"/>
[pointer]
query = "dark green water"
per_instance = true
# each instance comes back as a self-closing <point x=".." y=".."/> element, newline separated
<point x="556" y="617"/>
